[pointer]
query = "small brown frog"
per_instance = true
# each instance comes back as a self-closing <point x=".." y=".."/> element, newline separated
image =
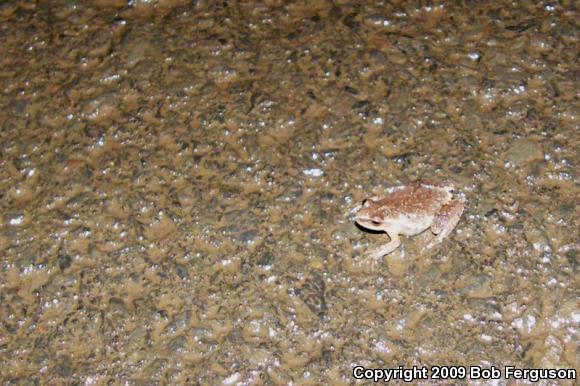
<point x="411" y="209"/>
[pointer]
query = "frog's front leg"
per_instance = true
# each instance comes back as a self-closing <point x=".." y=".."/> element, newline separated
<point x="387" y="248"/>
<point x="446" y="219"/>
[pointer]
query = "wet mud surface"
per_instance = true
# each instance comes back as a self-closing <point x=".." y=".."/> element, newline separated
<point x="176" y="183"/>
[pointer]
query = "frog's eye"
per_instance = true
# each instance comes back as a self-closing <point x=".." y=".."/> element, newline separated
<point x="367" y="202"/>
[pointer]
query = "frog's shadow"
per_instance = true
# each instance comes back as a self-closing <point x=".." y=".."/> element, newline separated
<point x="372" y="232"/>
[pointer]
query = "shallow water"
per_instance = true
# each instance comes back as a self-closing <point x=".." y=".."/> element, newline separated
<point x="177" y="178"/>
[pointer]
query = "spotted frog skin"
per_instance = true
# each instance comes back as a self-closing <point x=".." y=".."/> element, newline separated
<point x="411" y="209"/>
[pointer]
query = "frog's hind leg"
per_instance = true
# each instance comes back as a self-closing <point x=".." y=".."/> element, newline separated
<point x="446" y="219"/>
<point x="388" y="248"/>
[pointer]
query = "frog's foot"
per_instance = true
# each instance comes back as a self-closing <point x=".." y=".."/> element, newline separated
<point x="387" y="248"/>
<point x="445" y="220"/>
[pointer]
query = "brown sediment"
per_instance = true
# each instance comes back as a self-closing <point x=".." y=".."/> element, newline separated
<point x="176" y="179"/>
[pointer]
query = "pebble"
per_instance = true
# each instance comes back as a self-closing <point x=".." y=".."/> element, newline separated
<point x="524" y="151"/>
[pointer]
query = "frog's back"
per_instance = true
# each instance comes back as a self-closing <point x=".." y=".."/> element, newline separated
<point x="419" y="198"/>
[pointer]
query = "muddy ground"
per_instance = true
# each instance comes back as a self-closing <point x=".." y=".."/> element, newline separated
<point x="177" y="178"/>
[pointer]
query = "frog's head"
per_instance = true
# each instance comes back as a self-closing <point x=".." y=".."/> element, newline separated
<point x="369" y="216"/>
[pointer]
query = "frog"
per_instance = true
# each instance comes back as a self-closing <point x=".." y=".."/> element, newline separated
<point x="411" y="209"/>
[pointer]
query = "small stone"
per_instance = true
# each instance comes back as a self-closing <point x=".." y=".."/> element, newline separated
<point x="64" y="261"/>
<point x="249" y="237"/>
<point x="182" y="271"/>
<point x="523" y="151"/>
<point x="266" y="259"/>
<point x="178" y="344"/>
<point x="315" y="172"/>
<point x="63" y="368"/>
